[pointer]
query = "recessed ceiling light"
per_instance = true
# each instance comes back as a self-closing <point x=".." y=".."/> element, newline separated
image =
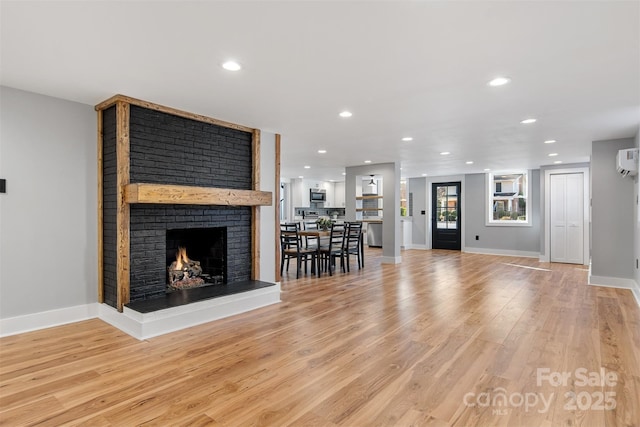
<point x="550" y="141"/>
<point x="322" y="151"/>
<point x="553" y="154"/>
<point x="231" y="66"/>
<point x="307" y="167"/>
<point x="346" y="114"/>
<point x="499" y="81"/>
<point x="407" y="138"/>
<point x="469" y="162"/>
<point x="331" y="180"/>
<point x="528" y="121"/>
<point x="557" y="162"/>
<point x="300" y="176"/>
<point x="424" y="174"/>
<point x="445" y="153"/>
<point x="367" y="161"/>
<point x="487" y="170"/>
<point x="344" y="173"/>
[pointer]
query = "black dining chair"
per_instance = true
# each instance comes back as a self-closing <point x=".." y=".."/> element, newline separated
<point x="291" y="248"/>
<point x="335" y="248"/>
<point x="311" y="241"/>
<point x="353" y="242"/>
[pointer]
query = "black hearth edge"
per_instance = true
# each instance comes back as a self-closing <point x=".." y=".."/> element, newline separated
<point x="188" y="296"/>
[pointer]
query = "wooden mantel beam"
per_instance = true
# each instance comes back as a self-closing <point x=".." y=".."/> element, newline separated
<point x="187" y="195"/>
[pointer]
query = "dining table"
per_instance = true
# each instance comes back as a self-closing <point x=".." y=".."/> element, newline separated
<point x="319" y="234"/>
<point x="326" y="233"/>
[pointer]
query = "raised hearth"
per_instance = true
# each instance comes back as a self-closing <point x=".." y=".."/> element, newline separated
<point x="188" y="296"/>
<point x="190" y="307"/>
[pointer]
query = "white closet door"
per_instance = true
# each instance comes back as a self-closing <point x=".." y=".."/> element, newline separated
<point x="557" y="200"/>
<point x="567" y="218"/>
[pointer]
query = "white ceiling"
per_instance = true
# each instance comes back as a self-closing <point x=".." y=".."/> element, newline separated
<point x="403" y="68"/>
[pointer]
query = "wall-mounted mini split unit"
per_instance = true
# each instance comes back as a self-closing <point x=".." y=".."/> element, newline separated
<point x="627" y="162"/>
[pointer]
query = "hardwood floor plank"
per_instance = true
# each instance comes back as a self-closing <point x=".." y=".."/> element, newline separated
<point x="31" y="412"/>
<point x="386" y="345"/>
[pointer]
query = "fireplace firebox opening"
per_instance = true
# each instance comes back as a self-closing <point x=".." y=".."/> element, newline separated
<point x="196" y="257"/>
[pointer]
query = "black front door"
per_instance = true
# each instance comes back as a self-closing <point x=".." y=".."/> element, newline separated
<point x="445" y="220"/>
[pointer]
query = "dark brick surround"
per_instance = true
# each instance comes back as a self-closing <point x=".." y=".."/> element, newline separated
<point x="148" y="242"/>
<point x="168" y="149"/>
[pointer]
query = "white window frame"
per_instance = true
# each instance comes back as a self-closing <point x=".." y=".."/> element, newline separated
<point x="489" y="221"/>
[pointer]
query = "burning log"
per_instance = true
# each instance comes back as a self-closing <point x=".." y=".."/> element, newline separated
<point x="183" y="272"/>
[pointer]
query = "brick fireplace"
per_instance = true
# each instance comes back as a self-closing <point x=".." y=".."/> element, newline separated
<point x="166" y="171"/>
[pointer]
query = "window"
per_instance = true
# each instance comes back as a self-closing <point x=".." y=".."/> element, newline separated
<point x="508" y="199"/>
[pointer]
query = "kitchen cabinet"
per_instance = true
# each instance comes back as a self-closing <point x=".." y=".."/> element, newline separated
<point x="304" y="189"/>
<point x="339" y="197"/>
<point x="330" y="189"/>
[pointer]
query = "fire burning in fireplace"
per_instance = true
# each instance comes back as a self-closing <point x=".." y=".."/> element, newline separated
<point x="184" y="246"/>
<point x="184" y="272"/>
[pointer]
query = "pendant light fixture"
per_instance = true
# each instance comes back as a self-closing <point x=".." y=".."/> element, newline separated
<point x="372" y="183"/>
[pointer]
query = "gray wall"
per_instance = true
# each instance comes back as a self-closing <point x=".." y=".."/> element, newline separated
<point x="636" y="215"/>
<point x="417" y="186"/>
<point x="612" y="200"/>
<point x="500" y="237"/>
<point x="48" y="225"/>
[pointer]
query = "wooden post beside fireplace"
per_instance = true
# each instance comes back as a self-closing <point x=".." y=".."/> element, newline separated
<point x="118" y="192"/>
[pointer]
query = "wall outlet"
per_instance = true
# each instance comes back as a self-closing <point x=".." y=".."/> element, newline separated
<point x="477" y="237"/>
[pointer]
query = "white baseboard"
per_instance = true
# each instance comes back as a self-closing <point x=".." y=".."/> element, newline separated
<point x="636" y="292"/>
<point x="146" y="325"/>
<point x="502" y="252"/>
<point x="391" y="260"/>
<point x="419" y="247"/>
<point x="547" y="258"/>
<point x="612" y="282"/>
<point x="47" y="319"/>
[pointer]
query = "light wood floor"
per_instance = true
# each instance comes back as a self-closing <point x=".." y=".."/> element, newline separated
<point x="389" y="345"/>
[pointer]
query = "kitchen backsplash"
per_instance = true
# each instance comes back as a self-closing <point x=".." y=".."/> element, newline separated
<point x="318" y="212"/>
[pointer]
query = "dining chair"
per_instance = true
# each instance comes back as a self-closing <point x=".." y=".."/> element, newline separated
<point x="335" y="248"/>
<point x="291" y="247"/>
<point x="353" y="242"/>
<point x="311" y="241"/>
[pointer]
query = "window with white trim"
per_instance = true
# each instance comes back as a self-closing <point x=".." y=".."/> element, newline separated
<point x="508" y="198"/>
